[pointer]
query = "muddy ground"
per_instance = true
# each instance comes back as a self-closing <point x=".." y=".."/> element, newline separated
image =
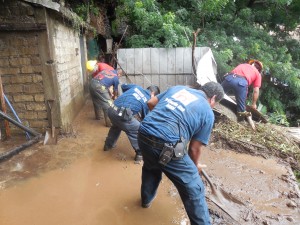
<point x="76" y="183"/>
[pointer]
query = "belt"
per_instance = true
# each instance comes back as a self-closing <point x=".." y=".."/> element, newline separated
<point x="114" y="108"/>
<point x="235" y="75"/>
<point x="117" y="109"/>
<point x="98" y="81"/>
<point x="151" y="140"/>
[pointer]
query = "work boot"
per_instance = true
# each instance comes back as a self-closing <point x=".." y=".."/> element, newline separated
<point x="107" y="120"/>
<point x="138" y="157"/>
<point x="241" y="116"/>
<point x="106" y="148"/>
<point x="147" y="205"/>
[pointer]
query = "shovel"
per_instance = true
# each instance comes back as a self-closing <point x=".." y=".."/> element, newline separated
<point x="225" y="201"/>
<point x="51" y="133"/>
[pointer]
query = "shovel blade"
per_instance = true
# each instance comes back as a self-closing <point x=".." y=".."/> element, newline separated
<point x="51" y="137"/>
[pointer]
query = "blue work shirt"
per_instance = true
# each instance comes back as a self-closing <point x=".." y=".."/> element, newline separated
<point x="135" y="98"/>
<point x="108" y="78"/>
<point x="180" y="112"/>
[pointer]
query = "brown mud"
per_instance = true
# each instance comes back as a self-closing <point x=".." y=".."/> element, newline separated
<point x="76" y="182"/>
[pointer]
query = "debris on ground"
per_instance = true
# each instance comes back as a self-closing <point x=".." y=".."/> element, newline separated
<point x="268" y="140"/>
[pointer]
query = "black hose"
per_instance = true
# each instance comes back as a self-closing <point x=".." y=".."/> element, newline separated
<point x="34" y="133"/>
<point x="10" y="153"/>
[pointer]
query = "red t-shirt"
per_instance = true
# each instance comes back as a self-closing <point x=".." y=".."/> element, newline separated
<point x="250" y="72"/>
<point x="101" y="67"/>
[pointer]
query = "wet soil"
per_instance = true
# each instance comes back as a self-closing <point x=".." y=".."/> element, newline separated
<point x="76" y="182"/>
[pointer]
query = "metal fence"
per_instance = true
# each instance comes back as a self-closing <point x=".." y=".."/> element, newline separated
<point x="164" y="67"/>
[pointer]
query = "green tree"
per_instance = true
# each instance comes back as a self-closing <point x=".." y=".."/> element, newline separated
<point x="236" y="31"/>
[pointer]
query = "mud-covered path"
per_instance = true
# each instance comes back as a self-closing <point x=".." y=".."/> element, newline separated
<point x="77" y="183"/>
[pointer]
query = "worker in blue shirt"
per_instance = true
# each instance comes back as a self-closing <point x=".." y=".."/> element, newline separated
<point x="126" y="113"/>
<point x="179" y="116"/>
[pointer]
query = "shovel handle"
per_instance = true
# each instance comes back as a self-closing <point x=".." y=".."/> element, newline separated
<point x="208" y="180"/>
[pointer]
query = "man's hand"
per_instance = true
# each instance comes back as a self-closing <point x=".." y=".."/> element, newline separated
<point x="253" y="106"/>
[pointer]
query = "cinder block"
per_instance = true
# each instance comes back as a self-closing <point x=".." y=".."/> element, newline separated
<point x="36" y="78"/>
<point x="15" y="88"/>
<point x="23" y="98"/>
<point x="21" y="79"/>
<point x="4" y="62"/>
<point x="34" y="88"/>
<point x="21" y="61"/>
<point x="30" y="115"/>
<point x="9" y="70"/>
<point x="36" y="106"/>
<point x="39" y="98"/>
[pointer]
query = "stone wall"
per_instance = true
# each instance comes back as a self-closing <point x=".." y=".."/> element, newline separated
<point x="20" y="69"/>
<point x="41" y="57"/>
<point x="70" y="79"/>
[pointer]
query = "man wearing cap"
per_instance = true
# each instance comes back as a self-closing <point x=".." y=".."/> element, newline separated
<point x="126" y="113"/>
<point x="179" y="116"/>
<point x="100" y="93"/>
<point x="238" y="81"/>
<point x="94" y="68"/>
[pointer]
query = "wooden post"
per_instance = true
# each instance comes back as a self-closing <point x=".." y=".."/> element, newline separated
<point x="195" y="34"/>
<point x="3" y="108"/>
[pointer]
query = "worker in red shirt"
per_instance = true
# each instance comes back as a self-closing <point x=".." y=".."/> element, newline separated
<point x="95" y="68"/>
<point x="238" y="81"/>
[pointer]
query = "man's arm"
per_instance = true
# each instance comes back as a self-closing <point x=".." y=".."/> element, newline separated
<point x="152" y="102"/>
<point x="255" y="97"/>
<point x="195" y="152"/>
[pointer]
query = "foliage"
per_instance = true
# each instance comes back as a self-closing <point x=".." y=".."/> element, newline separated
<point x="278" y="119"/>
<point x="83" y="10"/>
<point x="235" y="30"/>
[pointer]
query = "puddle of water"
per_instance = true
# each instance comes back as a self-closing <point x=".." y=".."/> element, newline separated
<point x="256" y="182"/>
<point x="96" y="190"/>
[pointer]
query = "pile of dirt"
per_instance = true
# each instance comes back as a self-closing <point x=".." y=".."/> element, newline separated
<point x="267" y="141"/>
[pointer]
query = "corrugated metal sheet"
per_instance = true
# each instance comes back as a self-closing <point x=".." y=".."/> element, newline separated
<point x="164" y="67"/>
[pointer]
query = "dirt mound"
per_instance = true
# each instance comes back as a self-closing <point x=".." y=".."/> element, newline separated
<point x="268" y="140"/>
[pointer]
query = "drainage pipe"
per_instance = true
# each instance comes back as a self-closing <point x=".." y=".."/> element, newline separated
<point x="15" y="114"/>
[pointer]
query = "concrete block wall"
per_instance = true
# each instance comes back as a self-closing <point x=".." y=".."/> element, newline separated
<point x="66" y="43"/>
<point x="20" y="69"/>
<point x="40" y="59"/>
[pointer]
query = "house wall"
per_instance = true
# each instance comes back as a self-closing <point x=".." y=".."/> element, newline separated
<point x="40" y="60"/>
<point x="20" y="63"/>
<point x="66" y="55"/>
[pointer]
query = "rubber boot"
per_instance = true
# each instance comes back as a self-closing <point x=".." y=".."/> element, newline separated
<point x="106" y="118"/>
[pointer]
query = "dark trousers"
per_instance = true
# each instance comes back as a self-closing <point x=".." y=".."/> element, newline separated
<point x="184" y="175"/>
<point x="130" y="127"/>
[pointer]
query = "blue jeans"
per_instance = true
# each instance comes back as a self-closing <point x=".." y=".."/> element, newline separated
<point x="130" y="127"/>
<point x="184" y="175"/>
<point x="239" y="87"/>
